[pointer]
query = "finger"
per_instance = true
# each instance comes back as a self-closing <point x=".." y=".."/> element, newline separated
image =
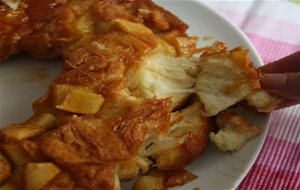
<point x="287" y="64"/>
<point x="286" y="85"/>
<point x="288" y="103"/>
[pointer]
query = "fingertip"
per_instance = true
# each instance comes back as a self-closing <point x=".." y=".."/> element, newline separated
<point x="285" y="85"/>
<point x="288" y="103"/>
<point x="274" y="81"/>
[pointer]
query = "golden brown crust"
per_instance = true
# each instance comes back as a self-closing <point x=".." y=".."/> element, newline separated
<point x="18" y="25"/>
<point x="194" y="128"/>
<point x="88" y="67"/>
<point x="163" y="180"/>
<point x="61" y="181"/>
<point x="47" y="28"/>
<point x="179" y="178"/>
<point x="14" y="26"/>
<point x="63" y="23"/>
<point x="94" y="176"/>
<point x="152" y="115"/>
<point x="234" y="131"/>
<point x="83" y="141"/>
<point x="232" y="120"/>
<point x="4" y="168"/>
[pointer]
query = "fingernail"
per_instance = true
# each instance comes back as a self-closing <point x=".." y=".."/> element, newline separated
<point x="274" y="81"/>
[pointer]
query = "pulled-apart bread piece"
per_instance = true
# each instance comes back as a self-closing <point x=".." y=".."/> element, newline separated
<point x="194" y="129"/>
<point x="185" y="140"/>
<point x="228" y="76"/>
<point x="161" y="75"/>
<point x="263" y="101"/>
<point x="234" y="131"/>
<point x="225" y="78"/>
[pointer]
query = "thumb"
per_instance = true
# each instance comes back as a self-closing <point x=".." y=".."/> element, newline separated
<point x="286" y="85"/>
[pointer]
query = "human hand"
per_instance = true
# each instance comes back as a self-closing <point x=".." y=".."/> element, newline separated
<point x="282" y="78"/>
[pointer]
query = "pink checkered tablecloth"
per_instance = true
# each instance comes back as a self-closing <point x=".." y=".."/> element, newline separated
<point x="274" y="29"/>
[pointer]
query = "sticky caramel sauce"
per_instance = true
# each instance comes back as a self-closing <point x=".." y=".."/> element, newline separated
<point x="38" y="8"/>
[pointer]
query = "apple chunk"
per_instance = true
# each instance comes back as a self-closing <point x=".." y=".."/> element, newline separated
<point x="37" y="175"/>
<point x="76" y="99"/>
<point x="22" y="131"/>
<point x="149" y="183"/>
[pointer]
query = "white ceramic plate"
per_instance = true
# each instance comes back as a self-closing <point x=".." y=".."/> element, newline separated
<point x="22" y="80"/>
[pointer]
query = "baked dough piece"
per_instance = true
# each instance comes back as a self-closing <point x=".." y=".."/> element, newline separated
<point x="234" y="132"/>
<point x="14" y="26"/>
<point x="225" y="78"/>
<point x="263" y="101"/>
<point x="5" y="169"/>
